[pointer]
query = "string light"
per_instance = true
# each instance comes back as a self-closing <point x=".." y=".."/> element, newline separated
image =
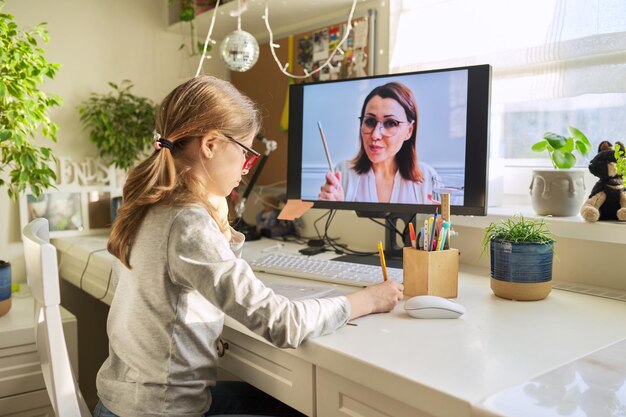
<point x="330" y="57"/>
<point x="208" y="39"/>
<point x="273" y="45"/>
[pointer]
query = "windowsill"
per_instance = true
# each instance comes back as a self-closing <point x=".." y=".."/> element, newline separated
<point x="567" y="227"/>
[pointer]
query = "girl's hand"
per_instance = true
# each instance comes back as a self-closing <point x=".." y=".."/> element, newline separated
<point x="332" y="189"/>
<point x="379" y="298"/>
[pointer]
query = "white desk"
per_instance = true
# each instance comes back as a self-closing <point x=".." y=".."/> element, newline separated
<point x="391" y="364"/>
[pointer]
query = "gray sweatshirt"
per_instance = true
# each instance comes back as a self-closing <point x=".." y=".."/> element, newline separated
<point x="168" y="313"/>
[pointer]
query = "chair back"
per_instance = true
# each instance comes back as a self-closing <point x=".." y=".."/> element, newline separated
<point x="43" y="279"/>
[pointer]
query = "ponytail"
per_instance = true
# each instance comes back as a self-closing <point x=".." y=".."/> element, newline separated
<point x="148" y="183"/>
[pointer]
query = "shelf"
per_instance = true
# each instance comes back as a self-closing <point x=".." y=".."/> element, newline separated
<point x="285" y="17"/>
<point x="574" y="227"/>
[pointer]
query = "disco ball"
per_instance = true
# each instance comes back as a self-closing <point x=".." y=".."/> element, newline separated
<point x="239" y="51"/>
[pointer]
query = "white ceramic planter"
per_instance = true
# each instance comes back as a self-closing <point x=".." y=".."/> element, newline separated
<point x="557" y="192"/>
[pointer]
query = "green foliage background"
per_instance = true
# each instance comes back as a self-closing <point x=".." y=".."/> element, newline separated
<point x="120" y="124"/>
<point x="24" y="108"/>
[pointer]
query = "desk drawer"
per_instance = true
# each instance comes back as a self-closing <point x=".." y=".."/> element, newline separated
<point x="32" y="404"/>
<point x="268" y="368"/>
<point x="341" y="397"/>
<point x="20" y="370"/>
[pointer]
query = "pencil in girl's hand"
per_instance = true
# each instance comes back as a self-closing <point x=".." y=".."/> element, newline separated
<point x="330" y="163"/>
<point x="383" y="264"/>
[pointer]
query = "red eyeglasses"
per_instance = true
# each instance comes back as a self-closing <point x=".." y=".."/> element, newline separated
<point x="250" y="154"/>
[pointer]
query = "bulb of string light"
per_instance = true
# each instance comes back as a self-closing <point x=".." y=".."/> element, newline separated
<point x="239" y="51"/>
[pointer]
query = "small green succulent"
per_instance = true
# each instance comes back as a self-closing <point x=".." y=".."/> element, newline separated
<point x="561" y="148"/>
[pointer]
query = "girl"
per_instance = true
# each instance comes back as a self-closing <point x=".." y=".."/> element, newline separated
<point x="179" y="270"/>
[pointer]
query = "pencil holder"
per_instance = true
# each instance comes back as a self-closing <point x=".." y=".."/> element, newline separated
<point x="431" y="273"/>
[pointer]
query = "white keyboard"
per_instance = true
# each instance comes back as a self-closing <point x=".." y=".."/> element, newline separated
<point x="336" y="272"/>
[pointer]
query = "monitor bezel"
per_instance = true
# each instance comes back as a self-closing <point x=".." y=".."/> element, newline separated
<point x="476" y="155"/>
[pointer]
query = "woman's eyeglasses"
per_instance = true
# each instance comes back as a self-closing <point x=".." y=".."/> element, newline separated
<point x="388" y="127"/>
<point x="250" y="154"/>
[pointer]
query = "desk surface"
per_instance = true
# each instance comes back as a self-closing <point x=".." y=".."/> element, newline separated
<point x="443" y="367"/>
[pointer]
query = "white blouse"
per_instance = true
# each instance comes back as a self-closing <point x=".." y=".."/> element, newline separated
<point x="362" y="187"/>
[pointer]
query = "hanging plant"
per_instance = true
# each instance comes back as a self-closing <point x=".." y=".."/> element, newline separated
<point x="189" y="9"/>
<point x="24" y="108"/>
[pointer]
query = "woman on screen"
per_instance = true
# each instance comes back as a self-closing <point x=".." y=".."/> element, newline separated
<point x="386" y="169"/>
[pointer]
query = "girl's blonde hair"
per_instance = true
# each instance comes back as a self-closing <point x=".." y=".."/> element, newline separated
<point x="188" y="113"/>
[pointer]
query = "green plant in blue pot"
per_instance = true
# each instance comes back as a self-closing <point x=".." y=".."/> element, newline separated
<point x="560" y="190"/>
<point x="521" y="251"/>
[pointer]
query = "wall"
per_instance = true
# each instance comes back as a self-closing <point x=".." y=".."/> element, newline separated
<point x="96" y="42"/>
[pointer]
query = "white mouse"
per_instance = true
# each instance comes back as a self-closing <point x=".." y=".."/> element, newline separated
<point x="433" y="307"/>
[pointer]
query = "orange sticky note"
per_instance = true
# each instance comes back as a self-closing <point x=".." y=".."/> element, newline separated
<point x="294" y="209"/>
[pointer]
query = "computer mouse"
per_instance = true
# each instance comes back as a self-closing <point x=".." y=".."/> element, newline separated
<point x="433" y="307"/>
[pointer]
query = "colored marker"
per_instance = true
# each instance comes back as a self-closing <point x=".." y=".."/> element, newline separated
<point x="445" y="227"/>
<point x="412" y="235"/>
<point x="426" y="240"/>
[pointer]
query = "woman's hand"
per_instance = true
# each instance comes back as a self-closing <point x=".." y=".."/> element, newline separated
<point x="379" y="298"/>
<point x="332" y="189"/>
<point x="220" y="208"/>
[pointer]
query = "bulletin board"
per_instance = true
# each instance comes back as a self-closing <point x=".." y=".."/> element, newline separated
<point x="267" y="85"/>
<point x="311" y="49"/>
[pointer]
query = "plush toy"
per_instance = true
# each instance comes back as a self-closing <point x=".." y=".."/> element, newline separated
<point x="607" y="200"/>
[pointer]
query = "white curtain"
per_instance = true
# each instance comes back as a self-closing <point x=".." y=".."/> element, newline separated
<point x="548" y="48"/>
<point x="555" y="62"/>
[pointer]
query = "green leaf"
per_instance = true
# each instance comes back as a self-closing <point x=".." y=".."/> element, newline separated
<point x="24" y="107"/>
<point x="187" y="14"/>
<point x="582" y="148"/>
<point x="578" y="135"/>
<point x="556" y="141"/>
<point x="540" y="146"/>
<point x="563" y="160"/>
<point x="569" y="145"/>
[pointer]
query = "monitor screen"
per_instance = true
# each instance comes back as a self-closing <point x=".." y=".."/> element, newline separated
<point x="392" y="143"/>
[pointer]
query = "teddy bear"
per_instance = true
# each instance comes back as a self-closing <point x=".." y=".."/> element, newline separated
<point x="607" y="200"/>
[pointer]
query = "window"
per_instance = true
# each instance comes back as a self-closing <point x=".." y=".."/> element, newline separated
<point x="555" y="63"/>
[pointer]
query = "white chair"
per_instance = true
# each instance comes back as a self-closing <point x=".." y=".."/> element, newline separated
<point x="43" y="280"/>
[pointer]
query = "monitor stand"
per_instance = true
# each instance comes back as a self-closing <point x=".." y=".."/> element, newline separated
<point x="393" y="252"/>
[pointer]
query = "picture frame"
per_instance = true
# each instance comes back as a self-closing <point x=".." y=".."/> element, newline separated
<point x="82" y="203"/>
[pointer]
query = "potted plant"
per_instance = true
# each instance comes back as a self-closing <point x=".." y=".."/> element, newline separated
<point x="24" y="108"/>
<point x="620" y="157"/>
<point x="120" y="124"/>
<point x="521" y="252"/>
<point x="560" y="191"/>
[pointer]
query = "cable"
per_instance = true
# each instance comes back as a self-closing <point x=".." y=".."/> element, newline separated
<point x="108" y="283"/>
<point x="319" y="235"/>
<point x="340" y="248"/>
<point x="82" y="275"/>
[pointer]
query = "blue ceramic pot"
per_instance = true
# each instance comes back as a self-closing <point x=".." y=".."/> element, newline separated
<point x="521" y="262"/>
<point x="5" y="287"/>
<point x="521" y="271"/>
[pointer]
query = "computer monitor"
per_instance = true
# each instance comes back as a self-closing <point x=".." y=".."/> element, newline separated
<point x="432" y="127"/>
